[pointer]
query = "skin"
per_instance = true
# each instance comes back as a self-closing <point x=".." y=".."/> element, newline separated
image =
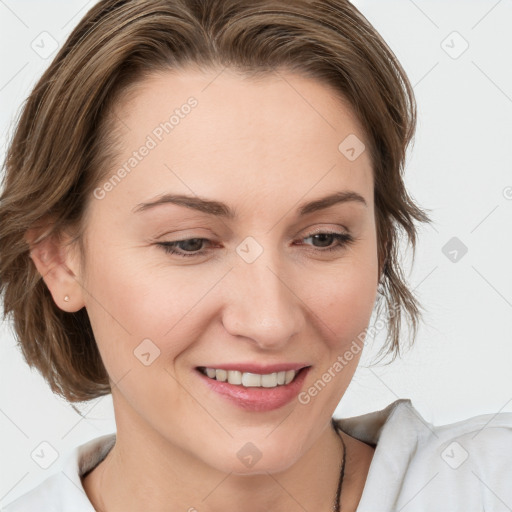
<point x="262" y="147"/>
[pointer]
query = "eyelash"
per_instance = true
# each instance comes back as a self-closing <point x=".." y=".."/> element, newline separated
<point x="343" y="240"/>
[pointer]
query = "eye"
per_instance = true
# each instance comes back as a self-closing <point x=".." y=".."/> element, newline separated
<point x="326" y="238"/>
<point x="190" y="247"/>
<point x="195" y="246"/>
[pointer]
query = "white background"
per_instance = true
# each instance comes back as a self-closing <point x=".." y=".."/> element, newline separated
<point x="460" y="167"/>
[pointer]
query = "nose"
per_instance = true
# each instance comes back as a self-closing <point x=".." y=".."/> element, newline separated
<point x="260" y="304"/>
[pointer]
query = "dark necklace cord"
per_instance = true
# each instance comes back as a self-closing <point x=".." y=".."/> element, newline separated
<point x="337" y="499"/>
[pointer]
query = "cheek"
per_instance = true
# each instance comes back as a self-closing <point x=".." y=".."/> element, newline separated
<point x="348" y="311"/>
<point x="344" y="299"/>
<point x="130" y="302"/>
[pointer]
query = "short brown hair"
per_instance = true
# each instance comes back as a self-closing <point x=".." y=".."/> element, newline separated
<point x="63" y="144"/>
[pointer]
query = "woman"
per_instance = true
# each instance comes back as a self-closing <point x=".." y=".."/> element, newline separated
<point x="201" y="210"/>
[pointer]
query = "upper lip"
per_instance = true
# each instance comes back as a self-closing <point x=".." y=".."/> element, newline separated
<point x="257" y="368"/>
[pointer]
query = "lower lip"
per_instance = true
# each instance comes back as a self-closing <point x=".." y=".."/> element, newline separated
<point x="257" y="399"/>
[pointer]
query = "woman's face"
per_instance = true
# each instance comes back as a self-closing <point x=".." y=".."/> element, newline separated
<point x="258" y="285"/>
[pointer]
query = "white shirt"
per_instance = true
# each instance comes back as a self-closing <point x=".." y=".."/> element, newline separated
<point x="417" y="467"/>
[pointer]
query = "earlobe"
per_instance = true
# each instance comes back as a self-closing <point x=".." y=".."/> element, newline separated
<point x="58" y="265"/>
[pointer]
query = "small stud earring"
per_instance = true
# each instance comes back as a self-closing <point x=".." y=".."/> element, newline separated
<point x="66" y="298"/>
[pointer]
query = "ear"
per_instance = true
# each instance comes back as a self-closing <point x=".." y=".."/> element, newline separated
<point x="59" y="264"/>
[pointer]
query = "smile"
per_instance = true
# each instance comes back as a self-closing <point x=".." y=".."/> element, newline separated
<point x="255" y="387"/>
<point x="250" y="380"/>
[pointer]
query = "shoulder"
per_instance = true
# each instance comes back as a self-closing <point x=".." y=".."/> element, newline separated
<point x="45" y="497"/>
<point x="418" y="466"/>
<point x="460" y="466"/>
<point x="481" y="442"/>
<point x="63" y="491"/>
<point x="476" y="451"/>
<point x="465" y="463"/>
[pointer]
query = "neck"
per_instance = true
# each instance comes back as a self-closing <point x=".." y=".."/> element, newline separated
<point x="144" y="471"/>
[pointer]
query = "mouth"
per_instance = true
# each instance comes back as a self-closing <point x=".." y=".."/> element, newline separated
<point x="255" y="388"/>
<point x="250" y="379"/>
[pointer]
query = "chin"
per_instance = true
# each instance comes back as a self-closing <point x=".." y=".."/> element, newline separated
<point x="247" y="458"/>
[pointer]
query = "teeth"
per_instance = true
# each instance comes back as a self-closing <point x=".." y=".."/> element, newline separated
<point x="290" y="374"/>
<point x="221" y="375"/>
<point x="251" y="380"/>
<point x="269" y="380"/>
<point x="211" y="373"/>
<point x="235" y="377"/>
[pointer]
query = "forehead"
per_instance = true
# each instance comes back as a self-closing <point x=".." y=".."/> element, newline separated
<point x="213" y="131"/>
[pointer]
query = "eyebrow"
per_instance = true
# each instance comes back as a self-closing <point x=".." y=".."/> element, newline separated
<point x="220" y="209"/>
